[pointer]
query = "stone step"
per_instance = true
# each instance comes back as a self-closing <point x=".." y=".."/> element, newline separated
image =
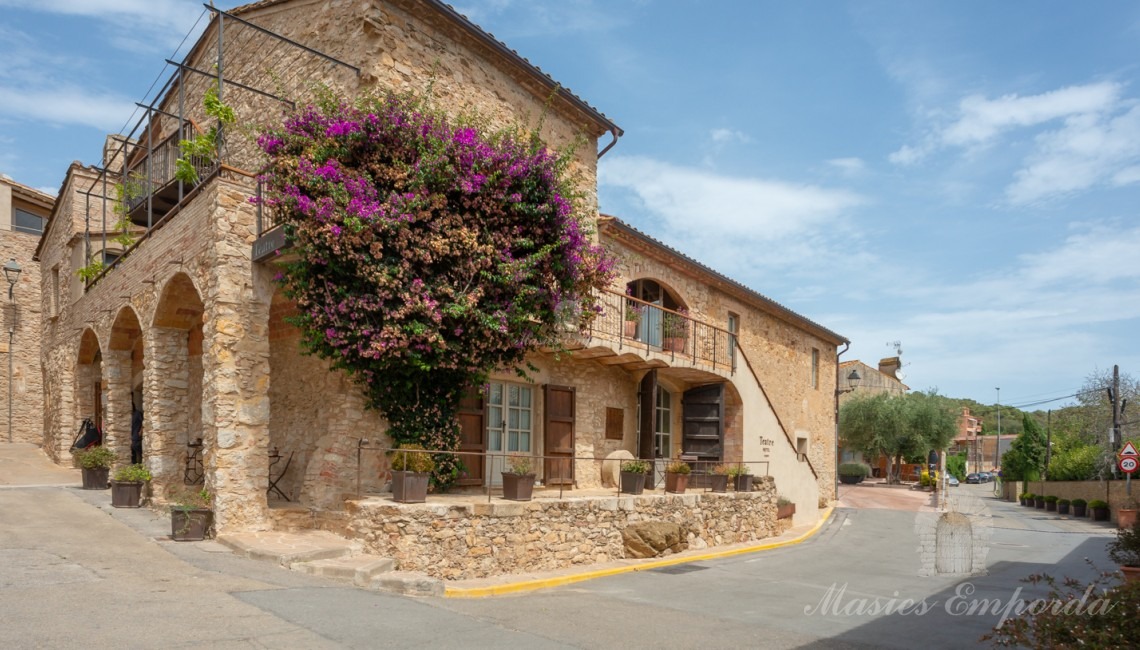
<point x="357" y="569"/>
<point x="408" y="583"/>
<point x="289" y="548"/>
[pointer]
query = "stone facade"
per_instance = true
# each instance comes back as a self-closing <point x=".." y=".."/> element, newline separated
<point x="463" y="541"/>
<point x="20" y="337"/>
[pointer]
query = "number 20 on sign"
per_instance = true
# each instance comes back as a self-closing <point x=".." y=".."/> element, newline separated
<point x="1128" y="464"/>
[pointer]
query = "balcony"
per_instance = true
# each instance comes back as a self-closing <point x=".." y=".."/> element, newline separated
<point x="639" y="335"/>
<point x="152" y="191"/>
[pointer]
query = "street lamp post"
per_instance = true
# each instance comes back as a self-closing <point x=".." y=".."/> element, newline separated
<point x="12" y="274"/>
<point x="853" y="382"/>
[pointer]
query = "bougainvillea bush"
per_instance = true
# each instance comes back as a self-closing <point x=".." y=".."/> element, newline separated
<point x="431" y="252"/>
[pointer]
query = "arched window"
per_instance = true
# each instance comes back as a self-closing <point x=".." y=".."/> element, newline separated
<point x="653" y="317"/>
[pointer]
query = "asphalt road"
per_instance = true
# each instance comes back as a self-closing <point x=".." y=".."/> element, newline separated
<point x="76" y="573"/>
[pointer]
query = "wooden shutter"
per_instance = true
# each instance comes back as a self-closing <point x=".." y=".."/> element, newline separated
<point x="558" y="428"/>
<point x="472" y="437"/>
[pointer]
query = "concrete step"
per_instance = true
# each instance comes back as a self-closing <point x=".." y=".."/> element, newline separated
<point x="357" y="569"/>
<point x="408" y="583"/>
<point x="287" y="548"/>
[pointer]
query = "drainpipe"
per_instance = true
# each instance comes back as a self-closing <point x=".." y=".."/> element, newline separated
<point x="846" y="347"/>
<point x="616" y="133"/>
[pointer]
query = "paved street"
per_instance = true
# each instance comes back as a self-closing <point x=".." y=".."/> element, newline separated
<point x="76" y="573"/>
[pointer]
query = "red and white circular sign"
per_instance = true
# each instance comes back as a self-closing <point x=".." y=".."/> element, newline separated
<point x="1128" y="464"/>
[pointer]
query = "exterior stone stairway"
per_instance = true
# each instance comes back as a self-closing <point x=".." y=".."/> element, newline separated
<point x="330" y="556"/>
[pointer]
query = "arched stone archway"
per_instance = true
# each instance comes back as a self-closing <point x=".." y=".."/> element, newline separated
<point x="89" y="393"/>
<point x="172" y="380"/>
<point x="124" y="372"/>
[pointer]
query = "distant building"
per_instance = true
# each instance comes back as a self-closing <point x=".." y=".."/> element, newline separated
<point x="872" y="381"/>
<point x="968" y="441"/>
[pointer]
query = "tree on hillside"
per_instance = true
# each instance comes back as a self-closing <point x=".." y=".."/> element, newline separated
<point x="1026" y="457"/>
<point x="897" y="427"/>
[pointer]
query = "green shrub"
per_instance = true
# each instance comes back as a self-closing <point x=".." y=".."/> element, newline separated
<point x="96" y="458"/>
<point x="678" y="467"/>
<point x="415" y="460"/>
<point x="1029" y="496"/>
<point x="1050" y="499"/>
<point x="1125" y="549"/>
<point x="1063" y="502"/>
<point x="1080" y="502"/>
<point x="132" y="474"/>
<point x="635" y="467"/>
<point x="1106" y="618"/>
<point x="1077" y="464"/>
<point x="1097" y="503"/>
<point x="783" y="501"/>
<point x="184" y="497"/>
<point x="738" y="470"/>
<point x="854" y="469"/>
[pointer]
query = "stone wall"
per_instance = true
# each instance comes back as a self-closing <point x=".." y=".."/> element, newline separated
<point x="486" y="539"/>
<point x="20" y="339"/>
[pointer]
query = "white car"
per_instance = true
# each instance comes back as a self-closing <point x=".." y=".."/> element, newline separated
<point x="952" y="481"/>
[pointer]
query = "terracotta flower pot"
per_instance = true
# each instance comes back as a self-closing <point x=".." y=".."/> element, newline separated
<point x="785" y="511"/>
<point x="676" y="483"/>
<point x="630" y="329"/>
<point x="518" y="487"/>
<point x="126" y="494"/>
<point x="1131" y="573"/>
<point x="1126" y="517"/>
<point x="673" y="344"/>
<point x="632" y="482"/>
<point x="409" y="487"/>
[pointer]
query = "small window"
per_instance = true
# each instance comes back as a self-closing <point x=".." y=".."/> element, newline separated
<point x="55" y="291"/>
<point x="814" y="368"/>
<point x="110" y="257"/>
<point x="24" y="221"/>
<point x="801" y="448"/>
<point x="733" y="331"/>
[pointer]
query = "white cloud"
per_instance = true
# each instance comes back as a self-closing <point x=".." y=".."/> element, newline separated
<point x="65" y="105"/>
<point x="133" y="25"/>
<point x="849" y="166"/>
<point x="981" y="120"/>
<point x="701" y="202"/>
<point x="721" y="136"/>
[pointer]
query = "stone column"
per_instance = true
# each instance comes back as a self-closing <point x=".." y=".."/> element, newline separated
<point x="165" y="400"/>
<point x="117" y="419"/>
<point x="60" y="423"/>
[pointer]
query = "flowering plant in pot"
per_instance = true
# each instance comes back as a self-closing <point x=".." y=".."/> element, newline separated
<point x="633" y="314"/>
<point x="741" y="478"/>
<point x="1099" y="510"/>
<point x="677" y="476"/>
<point x="412" y="466"/>
<point x="718" y="481"/>
<point x="518" y="478"/>
<point x="674" y="330"/>
<point x="633" y="476"/>
<point x="96" y="464"/>
<point x="1125" y="551"/>
<point x="127" y="485"/>
<point x="190" y="513"/>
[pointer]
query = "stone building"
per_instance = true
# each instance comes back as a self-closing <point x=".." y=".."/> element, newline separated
<point x="968" y="440"/>
<point x="871" y="381"/>
<point x="23" y="211"/>
<point x="187" y="321"/>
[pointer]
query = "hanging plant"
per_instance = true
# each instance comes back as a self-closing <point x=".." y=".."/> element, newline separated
<point x="431" y="252"/>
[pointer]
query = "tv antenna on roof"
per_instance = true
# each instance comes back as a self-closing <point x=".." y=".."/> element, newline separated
<point x="897" y="345"/>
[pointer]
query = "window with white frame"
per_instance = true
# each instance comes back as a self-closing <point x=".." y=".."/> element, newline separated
<point x="663" y="424"/>
<point x="510" y="410"/>
<point x="24" y="221"/>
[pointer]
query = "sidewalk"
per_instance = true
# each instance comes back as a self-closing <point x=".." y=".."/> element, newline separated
<point x="324" y="554"/>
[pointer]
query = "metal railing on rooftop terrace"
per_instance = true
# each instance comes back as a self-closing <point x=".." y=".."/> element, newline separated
<point x="643" y="325"/>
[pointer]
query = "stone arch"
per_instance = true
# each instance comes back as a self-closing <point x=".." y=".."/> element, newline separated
<point x="653" y="289"/>
<point x="172" y="380"/>
<point x="124" y="373"/>
<point x="89" y="392"/>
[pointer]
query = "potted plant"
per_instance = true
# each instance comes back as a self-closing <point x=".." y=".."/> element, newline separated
<point x="741" y="478"/>
<point x="190" y="514"/>
<point x="784" y="508"/>
<point x="1039" y="501"/>
<point x="1029" y="499"/>
<point x="1125" y="551"/>
<point x="718" y="482"/>
<point x="1126" y="514"/>
<point x="852" y="473"/>
<point x="674" y="330"/>
<point x="1099" y="510"/>
<point x="96" y="463"/>
<point x="126" y="488"/>
<point x="411" y="471"/>
<point x="633" y="476"/>
<point x="1063" y="506"/>
<point x="518" y="478"/>
<point x="632" y="318"/>
<point x="677" y="476"/>
<point x="1051" y="503"/>
<point x="1079" y="506"/>
<point x="1022" y="497"/>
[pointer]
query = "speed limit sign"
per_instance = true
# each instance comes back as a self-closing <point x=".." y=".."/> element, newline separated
<point x="1128" y="464"/>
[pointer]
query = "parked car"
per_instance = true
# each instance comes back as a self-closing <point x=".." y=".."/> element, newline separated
<point x="973" y="477"/>
<point x="952" y="481"/>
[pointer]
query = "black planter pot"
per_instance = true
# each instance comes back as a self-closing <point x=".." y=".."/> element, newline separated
<point x="1080" y="511"/>
<point x="1022" y="501"/>
<point x="632" y="482"/>
<point x="190" y="525"/>
<point x="410" y="487"/>
<point x="743" y="483"/>
<point x="518" y="487"/>
<point x="126" y="494"/>
<point x="1100" y="514"/>
<point x="1051" y="506"/>
<point x="1039" y="503"/>
<point x="849" y="480"/>
<point x="95" y="479"/>
<point x="1062" y="508"/>
<point x="718" y="483"/>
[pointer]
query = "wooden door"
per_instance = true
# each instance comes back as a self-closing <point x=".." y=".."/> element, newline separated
<point x="702" y="413"/>
<point x="558" y="428"/>
<point x="472" y="438"/>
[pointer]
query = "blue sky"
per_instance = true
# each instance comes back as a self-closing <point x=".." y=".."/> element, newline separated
<point x="963" y="177"/>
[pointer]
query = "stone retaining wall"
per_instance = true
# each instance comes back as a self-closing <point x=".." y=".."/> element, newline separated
<point x="478" y="540"/>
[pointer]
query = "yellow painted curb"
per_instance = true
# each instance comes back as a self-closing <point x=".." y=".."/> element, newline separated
<point x="558" y="581"/>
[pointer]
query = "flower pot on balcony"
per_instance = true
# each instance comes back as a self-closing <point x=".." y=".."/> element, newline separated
<point x="630" y="329"/>
<point x="518" y="487"/>
<point x="676" y="483"/>
<point x="673" y="344"/>
<point x="409" y="487"/>
<point x="633" y="482"/>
